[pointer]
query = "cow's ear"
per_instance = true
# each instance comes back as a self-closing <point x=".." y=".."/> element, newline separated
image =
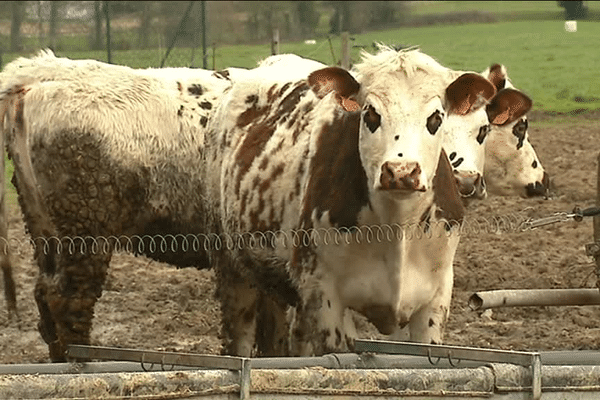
<point x="468" y="92"/>
<point x="497" y="75"/>
<point x="507" y="106"/>
<point x="338" y="80"/>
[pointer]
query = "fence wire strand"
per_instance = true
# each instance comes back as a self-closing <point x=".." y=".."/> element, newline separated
<point x="279" y="239"/>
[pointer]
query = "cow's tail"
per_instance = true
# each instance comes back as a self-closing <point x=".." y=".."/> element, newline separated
<point x="10" y="291"/>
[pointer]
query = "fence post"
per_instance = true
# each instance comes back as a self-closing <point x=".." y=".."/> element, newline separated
<point x="345" y="50"/>
<point x="597" y="226"/>
<point x="214" y="49"/>
<point x="204" y="31"/>
<point x="107" y="16"/>
<point x="275" y="42"/>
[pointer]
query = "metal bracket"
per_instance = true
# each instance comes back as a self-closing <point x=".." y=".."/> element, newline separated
<point x="162" y="358"/>
<point x="526" y="359"/>
<point x="592" y="249"/>
<point x="577" y="215"/>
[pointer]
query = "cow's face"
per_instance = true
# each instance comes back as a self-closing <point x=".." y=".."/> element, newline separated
<point x="400" y="141"/>
<point x="465" y="133"/>
<point x="512" y="165"/>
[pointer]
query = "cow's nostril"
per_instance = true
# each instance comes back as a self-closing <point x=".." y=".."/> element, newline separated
<point x="401" y="175"/>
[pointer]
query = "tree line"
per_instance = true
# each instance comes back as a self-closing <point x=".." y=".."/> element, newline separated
<point x="227" y="21"/>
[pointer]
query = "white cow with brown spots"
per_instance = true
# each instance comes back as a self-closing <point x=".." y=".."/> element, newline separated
<point x="338" y="152"/>
<point x="102" y="151"/>
<point x="512" y="165"/>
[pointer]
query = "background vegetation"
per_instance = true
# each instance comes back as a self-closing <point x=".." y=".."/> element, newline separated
<point x="555" y="67"/>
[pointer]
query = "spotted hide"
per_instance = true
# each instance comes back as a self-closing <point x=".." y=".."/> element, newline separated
<point x="334" y="151"/>
<point x="512" y="165"/>
<point x="102" y="151"/>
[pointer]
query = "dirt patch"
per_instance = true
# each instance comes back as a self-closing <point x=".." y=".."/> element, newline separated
<point x="150" y="305"/>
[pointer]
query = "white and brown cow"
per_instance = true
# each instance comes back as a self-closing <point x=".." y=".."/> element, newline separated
<point x="102" y="151"/>
<point x="338" y="152"/>
<point x="512" y="165"/>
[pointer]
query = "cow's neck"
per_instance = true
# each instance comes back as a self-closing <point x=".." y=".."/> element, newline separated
<point x="390" y="208"/>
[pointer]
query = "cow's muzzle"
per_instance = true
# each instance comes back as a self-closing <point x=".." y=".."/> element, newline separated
<point x="471" y="185"/>
<point x="401" y="176"/>
<point x="539" y="188"/>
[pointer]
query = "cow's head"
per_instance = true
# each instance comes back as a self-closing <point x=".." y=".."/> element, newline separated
<point x="512" y="166"/>
<point x="404" y="100"/>
<point x="465" y="130"/>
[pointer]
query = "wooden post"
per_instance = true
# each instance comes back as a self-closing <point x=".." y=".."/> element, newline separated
<point x="214" y="48"/>
<point x="597" y="227"/>
<point x="275" y="42"/>
<point x="345" y="50"/>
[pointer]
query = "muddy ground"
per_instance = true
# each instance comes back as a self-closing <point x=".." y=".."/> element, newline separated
<point x="149" y="305"/>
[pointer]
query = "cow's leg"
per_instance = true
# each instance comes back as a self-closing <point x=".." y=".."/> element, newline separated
<point x="66" y="300"/>
<point x="238" y="297"/>
<point x="400" y="334"/>
<point x="428" y="323"/>
<point x="272" y="328"/>
<point x="10" y="292"/>
<point x="318" y="325"/>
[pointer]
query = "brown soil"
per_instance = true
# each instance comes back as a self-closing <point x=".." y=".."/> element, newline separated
<point x="149" y="305"/>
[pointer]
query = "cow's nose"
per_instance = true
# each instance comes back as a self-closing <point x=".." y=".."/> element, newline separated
<point x="539" y="188"/>
<point x="471" y="185"/>
<point x="401" y="175"/>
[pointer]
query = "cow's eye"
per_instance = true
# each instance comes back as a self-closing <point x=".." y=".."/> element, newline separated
<point x="483" y="132"/>
<point x="372" y="119"/>
<point x="519" y="130"/>
<point x="434" y="121"/>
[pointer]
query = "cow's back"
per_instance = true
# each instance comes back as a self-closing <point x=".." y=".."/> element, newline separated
<point x="258" y="153"/>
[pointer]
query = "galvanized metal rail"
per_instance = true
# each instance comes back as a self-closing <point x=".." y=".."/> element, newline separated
<point x="162" y="358"/>
<point x="456" y="353"/>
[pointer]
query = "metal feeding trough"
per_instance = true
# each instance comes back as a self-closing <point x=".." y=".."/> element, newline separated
<point x="378" y="370"/>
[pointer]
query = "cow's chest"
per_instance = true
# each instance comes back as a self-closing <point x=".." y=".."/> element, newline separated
<point x="389" y="281"/>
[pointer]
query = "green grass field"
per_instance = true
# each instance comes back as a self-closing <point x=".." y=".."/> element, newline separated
<point x="554" y="67"/>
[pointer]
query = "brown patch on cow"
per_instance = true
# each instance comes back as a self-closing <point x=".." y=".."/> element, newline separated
<point x="261" y="123"/>
<point x="222" y="74"/>
<point x="205" y="105"/>
<point x="271" y="95"/>
<point x="520" y="130"/>
<point x="203" y="121"/>
<point x="445" y="192"/>
<point x="468" y="92"/>
<point x="278" y="170"/>
<point x="251" y="99"/>
<point x="508" y="106"/>
<point x="255" y="139"/>
<point x="289" y="103"/>
<point x="179" y="87"/>
<point x="279" y="146"/>
<point x="301" y="122"/>
<point x="270" y="224"/>
<point x="338" y="182"/>
<point x="300" y="173"/>
<point x="497" y="77"/>
<point x="284" y="88"/>
<point x="263" y="164"/>
<point x="331" y="79"/>
<point x="243" y="200"/>
<point x="195" y="89"/>
<point x="180" y="111"/>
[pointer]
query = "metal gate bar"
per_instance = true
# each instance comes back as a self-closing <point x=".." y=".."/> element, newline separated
<point x="456" y="353"/>
<point x="162" y="358"/>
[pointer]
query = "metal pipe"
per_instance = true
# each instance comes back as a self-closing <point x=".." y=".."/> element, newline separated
<point x="533" y="297"/>
<point x="330" y="361"/>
